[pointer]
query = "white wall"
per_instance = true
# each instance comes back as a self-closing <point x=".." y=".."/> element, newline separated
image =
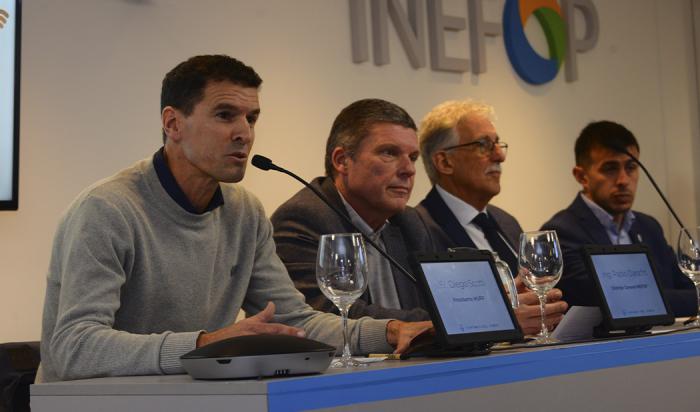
<point x="90" y="105"/>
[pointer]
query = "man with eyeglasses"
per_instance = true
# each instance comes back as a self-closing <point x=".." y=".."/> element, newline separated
<point x="602" y="214"/>
<point x="462" y="155"/>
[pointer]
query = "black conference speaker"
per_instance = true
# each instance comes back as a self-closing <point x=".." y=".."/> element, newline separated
<point x="257" y="356"/>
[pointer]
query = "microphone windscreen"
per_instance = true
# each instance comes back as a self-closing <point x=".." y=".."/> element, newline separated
<point x="261" y="162"/>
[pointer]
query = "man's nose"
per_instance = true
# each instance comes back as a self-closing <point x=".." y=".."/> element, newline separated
<point x="407" y="167"/>
<point x="623" y="178"/>
<point x="243" y="131"/>
<point x="498" y="154"/>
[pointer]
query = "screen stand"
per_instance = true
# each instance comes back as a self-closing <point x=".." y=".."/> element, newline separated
<point x="434" y="350"/>
<point x="601" y="331"/>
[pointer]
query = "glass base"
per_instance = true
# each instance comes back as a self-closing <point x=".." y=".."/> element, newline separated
<point x="346" y="363"/>
<point x="543" y="340"/>
<point x="693" y="324"/>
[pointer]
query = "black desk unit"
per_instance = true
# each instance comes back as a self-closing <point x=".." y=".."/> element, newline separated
<point x="641" y="374"/>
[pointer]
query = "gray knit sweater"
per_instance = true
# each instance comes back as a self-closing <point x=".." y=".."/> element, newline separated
<point x="134" y="278"/>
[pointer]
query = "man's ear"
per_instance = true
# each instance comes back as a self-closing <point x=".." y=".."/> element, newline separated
<point x="171" y="122"/>
<point x="339" y="159"/>
<point x="580" y="175"/>
<point x="443" y="163"/>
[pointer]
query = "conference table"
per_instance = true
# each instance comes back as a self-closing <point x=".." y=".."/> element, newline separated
<point x="650" y="373"/>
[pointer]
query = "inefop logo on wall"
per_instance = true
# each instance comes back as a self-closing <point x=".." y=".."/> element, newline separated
<point x="558" y="29"/>
<point x="558" y="22"/>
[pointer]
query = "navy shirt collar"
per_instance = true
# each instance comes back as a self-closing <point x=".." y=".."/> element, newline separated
<point x="167" y="180"/>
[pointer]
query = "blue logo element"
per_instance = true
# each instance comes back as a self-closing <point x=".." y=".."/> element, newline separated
<point x="529" y="65"/>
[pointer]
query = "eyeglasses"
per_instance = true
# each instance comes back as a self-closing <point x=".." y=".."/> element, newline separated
<point x="486" y="146"/>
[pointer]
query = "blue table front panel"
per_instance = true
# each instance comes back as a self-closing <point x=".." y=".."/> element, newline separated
<point x="360" y="386"/>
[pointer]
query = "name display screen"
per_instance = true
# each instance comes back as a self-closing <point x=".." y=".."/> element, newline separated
<point x="629" y="285"/>
<point x="467" y="297"/>
<point x="9" y="102"/>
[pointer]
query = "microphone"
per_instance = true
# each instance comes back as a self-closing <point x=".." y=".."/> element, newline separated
<point x="623" y="150"/>
<point x="263" y="163"/>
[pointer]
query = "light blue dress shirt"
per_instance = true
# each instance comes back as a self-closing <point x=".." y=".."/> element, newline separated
<point x="617" y="235"/>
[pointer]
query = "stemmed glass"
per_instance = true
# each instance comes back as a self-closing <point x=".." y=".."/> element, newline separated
<point x="541" y="264"/>
<point x="341" y="273"/>
<point x="503" y="272"/>
<point x="507" y="280"/>
<point x="688" y="252"/>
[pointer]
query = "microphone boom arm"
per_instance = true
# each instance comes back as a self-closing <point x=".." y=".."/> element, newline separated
<point x="658" y="190"/>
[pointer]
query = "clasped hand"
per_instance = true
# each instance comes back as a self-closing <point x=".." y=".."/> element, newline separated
<point x="528" y="311"/>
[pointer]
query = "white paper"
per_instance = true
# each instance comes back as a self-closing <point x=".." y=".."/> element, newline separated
<point x="369" y="360"/>
<point x="578" y="323"/>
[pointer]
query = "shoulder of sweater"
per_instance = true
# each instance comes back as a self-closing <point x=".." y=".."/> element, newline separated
<point x="103" y="203"/>
<point x="116" y="189"/>
<point x="237" y="194"/>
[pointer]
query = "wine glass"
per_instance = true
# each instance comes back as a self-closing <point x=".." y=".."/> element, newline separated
<point x="541" y="264"/>
<point x="507" y="280"/>
<point x="341" y="273"/>
<point x="688" y="252"/>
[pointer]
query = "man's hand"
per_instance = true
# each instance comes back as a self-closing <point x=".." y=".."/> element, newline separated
<point x="528" y="312"/>
<point x="400" y="334"/>
<point x="254" y="325"/>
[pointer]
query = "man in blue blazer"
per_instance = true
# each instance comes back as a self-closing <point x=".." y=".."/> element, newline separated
<point x="462" y="155"/>
<point x="602" y="214"/>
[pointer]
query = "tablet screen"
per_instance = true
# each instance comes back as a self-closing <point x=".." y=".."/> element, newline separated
<point x="629" y="285"/>
<point x="9" y="102"/>
<point x="467" y="297"/>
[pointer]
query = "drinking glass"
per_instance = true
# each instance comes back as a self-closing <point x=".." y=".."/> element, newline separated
<point x="541" y="264"/>
<point x="503" y="272"/>
<point x="688" y="252"/>
<point x="341" y="273"/>
<point x="507" y="280"/>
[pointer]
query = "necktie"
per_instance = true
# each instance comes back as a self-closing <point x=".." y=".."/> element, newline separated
<point x="488" y="226"/>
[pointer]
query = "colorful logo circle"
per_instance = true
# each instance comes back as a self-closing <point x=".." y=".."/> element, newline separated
<point x="529" y="65"/>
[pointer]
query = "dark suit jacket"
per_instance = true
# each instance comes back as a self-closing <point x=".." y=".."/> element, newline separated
<point x="446" y="231"/>
<point x="299" y="224"/>
<point x="577" y="226"/>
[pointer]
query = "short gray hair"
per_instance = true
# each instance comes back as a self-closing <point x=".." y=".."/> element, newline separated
<point x="437" y="130"/>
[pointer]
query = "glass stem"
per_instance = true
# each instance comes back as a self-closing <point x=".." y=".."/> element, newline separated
<point x="543" y="327"/>
<point x="346" y="341"/>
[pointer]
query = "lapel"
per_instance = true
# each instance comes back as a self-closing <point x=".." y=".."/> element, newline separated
<point x="443" y="216"/>
<point x="636" y="232"/>
<point x="396" y="248"/>
<point x="588" y="222"/>
<point x="495" y="216"/>
<point x="327" y="188"/>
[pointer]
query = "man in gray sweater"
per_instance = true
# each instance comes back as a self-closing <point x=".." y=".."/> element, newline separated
<point x="159" y="259"/>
